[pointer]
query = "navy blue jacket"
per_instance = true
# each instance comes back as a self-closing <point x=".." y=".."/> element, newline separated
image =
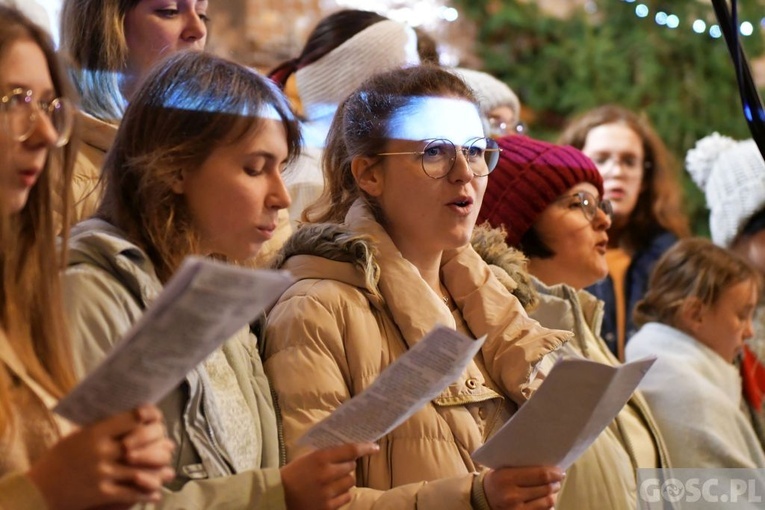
<point x="635" y="287"/>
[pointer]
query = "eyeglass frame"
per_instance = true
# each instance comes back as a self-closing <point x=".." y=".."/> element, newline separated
<point x="601" y="204"/>
<point x="612" y="162"/>
<point x="501" y="128"/>
<point x="462" y="149"/>
<point x="46" y="107"/>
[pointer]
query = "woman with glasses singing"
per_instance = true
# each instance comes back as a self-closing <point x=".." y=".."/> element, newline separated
<point x="44" y="462"/>
<point x="642" y="183"/>
<point x="385" y="259"/>
<point x="548" y="199"/>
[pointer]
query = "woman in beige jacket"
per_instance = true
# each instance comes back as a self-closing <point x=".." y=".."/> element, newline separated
<point x="549" y="199"/>
<point x="387" y="258"/>
<point x="44" y="462"/>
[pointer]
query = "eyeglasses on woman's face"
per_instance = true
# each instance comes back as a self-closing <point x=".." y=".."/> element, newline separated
<point x="499" y="128"/>
<point x="21" y="113"/>
<point x="589" y="204"/>
<point x="439" y="155"/>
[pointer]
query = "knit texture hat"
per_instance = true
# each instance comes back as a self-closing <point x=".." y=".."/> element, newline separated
<point x="530" y="175"/>
<point x="324" y="84"/>
<point x="491" y="92"/>
<point x="732" y="176"/>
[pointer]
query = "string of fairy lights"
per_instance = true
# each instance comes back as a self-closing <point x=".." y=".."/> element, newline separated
<point x="673" y="21"/>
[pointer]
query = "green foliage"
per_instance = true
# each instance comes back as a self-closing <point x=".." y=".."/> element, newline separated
<point x="683" y="81"/>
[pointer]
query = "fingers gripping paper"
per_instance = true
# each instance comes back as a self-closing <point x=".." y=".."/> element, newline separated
<point x="401" y="390"/>
<point x="201" y="307"/>
<point x="576" y="401"/>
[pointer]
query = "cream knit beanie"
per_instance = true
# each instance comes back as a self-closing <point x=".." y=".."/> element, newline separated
<point x="491" y="92"/>
<point x="384" y="46"/>
<point x="732" y="176"/>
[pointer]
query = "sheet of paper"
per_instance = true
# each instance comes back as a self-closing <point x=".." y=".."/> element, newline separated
<point x="577" y="400"/>
<point x="401" y="390"/>
<point x="202" y="306"/>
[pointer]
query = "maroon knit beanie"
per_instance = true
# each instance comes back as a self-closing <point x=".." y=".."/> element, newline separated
<point x="530" y="175"/>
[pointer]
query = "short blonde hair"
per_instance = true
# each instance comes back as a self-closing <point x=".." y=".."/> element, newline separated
<point x="692" y="268"/>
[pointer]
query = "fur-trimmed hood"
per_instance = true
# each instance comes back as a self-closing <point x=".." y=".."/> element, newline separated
<point x="337" y="242"/>
<point x="507" y="264"/>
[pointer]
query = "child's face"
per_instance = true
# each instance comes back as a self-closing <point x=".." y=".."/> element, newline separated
<point x="724" y="326"/>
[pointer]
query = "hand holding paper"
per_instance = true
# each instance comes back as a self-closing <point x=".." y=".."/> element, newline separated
<point x="577" y="400"/>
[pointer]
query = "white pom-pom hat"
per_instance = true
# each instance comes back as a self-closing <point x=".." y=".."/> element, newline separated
<point x="732" y="176"/>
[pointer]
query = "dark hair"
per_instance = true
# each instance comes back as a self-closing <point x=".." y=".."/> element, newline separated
<point x="692" y="268"/>
<point x="533" y="247"/>
<point x="360" y="126"/>
<point x="427" y="48"/>
<point x="186" y="108"/>
<point x="659" y="206"/>
<point x="330" y="33"/>
<point x="754" y="224"/>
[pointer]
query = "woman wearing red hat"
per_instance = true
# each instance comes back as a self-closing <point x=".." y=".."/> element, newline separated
<point x="548" y="200"/>
<point x="642" y="183"/>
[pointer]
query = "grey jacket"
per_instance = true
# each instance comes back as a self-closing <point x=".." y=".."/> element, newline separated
<point x="107" y="286"/>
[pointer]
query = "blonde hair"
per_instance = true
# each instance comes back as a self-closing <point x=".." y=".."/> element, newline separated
<point x="93" y="40"/>
<point x="660" y="202"/>
<point x="182" y="112"/>
<point x="31" y="309"/>
<point x="692" y="268"/>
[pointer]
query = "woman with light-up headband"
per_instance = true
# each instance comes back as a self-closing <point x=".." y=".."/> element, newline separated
<point x="385" y="259"/>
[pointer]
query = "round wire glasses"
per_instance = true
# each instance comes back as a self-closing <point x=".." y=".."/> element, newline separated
<point x="21" y="113"/>
<point x="439" y="154"/>
<point x="590" y="204"/>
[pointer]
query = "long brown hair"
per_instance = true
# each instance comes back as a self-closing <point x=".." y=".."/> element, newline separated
<point x="186" y="108"/>
<point x="660" y="202"/>
<point x="31" y="310"/>
<point x="360" y="128"/>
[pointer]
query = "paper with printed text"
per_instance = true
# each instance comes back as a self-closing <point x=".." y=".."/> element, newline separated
<point x="401" y="390"/>
<point x="203" y="305"/>
<point x="576" y="401"/>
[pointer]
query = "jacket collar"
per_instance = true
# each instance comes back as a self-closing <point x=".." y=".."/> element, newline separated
<point x="101" y="244"/>
<point x="95" y="132"/>
<point x="360" y="253"/>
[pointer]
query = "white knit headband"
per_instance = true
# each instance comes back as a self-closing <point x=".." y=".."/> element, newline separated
<point x="323" y="84"/>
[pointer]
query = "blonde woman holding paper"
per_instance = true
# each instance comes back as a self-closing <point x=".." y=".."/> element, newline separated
<point x="386" y="259"/>
<point x="44" y="462"/>
<point x="549" y="200"/>
<point x="196" y="169"/>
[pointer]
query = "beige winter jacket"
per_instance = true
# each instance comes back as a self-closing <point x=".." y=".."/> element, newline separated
<point x="356" y="307"/>
<point x="96" y="138"/>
